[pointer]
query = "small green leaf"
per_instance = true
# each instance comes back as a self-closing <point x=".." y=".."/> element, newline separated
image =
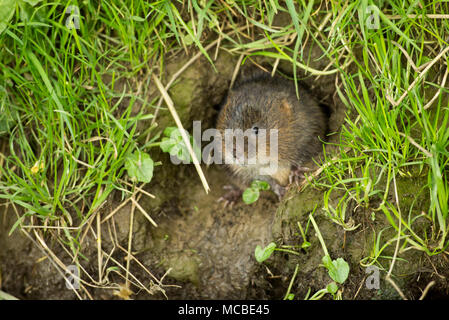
<point x="338" y="269"/>
<point x="7" y="8"/>
<point x="265" y="253"/>
<point x="327" y="261"/>
<point x="261" y="185"/>
<point x="305" y="244"/>
<point x="342" y="270"/>
<point x="188" y="39"/>
<point x="174" y="144"/>
<point x="250" y="195"/>
<point x="169" y="130"/>
<point x="332" y="288"/>
<point x="167" y="144"/>
<point x="139" y="166"/>
<point x="290" y="296"/>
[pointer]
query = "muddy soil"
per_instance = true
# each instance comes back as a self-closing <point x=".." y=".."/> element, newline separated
<point x="209" y="248"/>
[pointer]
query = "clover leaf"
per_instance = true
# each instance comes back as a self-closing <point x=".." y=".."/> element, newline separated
<point x="251" y="194"/>
<point x="338" y="269"/>
<point x="175" y="146"/>
<point x="265" y="253"/>
<point x="139" y="166"/>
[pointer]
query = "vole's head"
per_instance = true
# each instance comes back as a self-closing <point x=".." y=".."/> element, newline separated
<point x="252" y="112"/>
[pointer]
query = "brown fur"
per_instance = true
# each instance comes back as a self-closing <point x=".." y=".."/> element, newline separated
<point x="271" y="103"/>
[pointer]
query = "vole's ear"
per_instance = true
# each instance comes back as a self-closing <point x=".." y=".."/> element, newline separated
<point x="286" y="107"/>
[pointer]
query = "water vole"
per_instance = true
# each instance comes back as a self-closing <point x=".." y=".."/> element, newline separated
<point x="259" y="101"/>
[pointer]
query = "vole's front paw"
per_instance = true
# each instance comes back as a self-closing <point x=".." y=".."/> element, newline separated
<point x="279" y="190"/>
<point x="232" y="195"/>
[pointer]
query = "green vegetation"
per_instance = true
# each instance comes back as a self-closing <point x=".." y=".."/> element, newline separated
<point x="252" y="193"/>
<point x="338" y="269"/>
<point x="397" y="123"/>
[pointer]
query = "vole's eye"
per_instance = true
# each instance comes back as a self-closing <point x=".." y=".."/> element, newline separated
<point x="255" y="130"/>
